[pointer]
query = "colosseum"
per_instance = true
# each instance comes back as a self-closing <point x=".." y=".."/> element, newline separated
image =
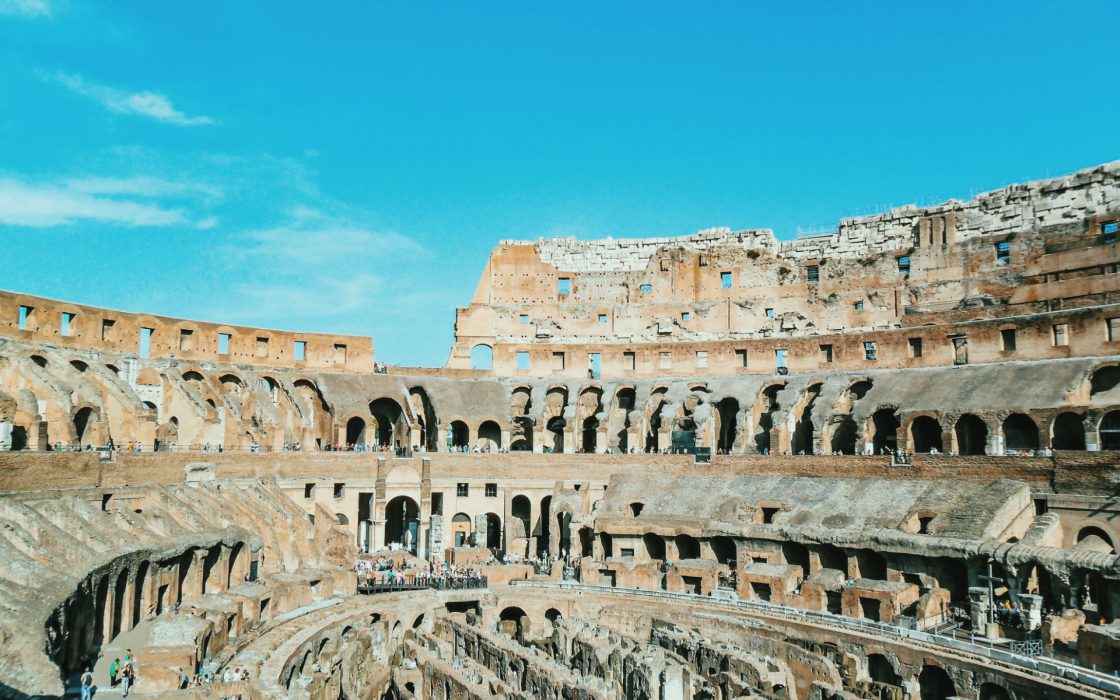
<point x="876" y="463"/>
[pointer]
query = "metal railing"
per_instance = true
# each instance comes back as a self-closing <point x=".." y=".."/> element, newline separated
<point x="1049" y="667"/>
<point x="415" y="583"/>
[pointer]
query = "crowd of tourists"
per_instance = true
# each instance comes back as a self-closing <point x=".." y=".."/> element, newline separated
<point x="384" y="571"/>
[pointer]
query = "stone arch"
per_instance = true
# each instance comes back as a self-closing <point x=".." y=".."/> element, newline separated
<point x="356" y="431"/>
<point x="723" y="548"/>
<point x="234" y="560"/>
<point x="654" y="405"/>
<point x="992" y="691"/>
<point x="926" y="434"/>
<point x="120" y="590"/>
<point x="231" y="382"/>
<point x="1067" y="432"/>
<point x="513" y="614"/>
<point x="688" y="547"/>
<point x="804" y="431"/>
<point x="392" y="425"/>
<point x="138" y="592"/>
<point x="884" y="430"/>
<point x="520" y="520"/>
<point x="727" y="428"/>
<point x="461" y="529"/>
<point x="1020" y="432"/>
<point x="1104" y="378"/>
<point x="843" y="438"/>
<point x="425" y="414"/>
<point x="493" y="532"/>
<point x="80" y="366"/>
<point x="625" y="401"/>
<point x="796" y="554"/>
<point x="482" y="356"/>
<point x="767" y="405"/>
<point x="971" y="433"/>
<point x="521" y="406"/>
<point x="402" y="515"/>
<point x="1108" y="431"/>
<point x="85" y="425"/>
<point x="935" y="684"/>
<point x="881" y="670"/>
<point x="490" y="436"/>
<point x="1095" y="539"/>
<point x="458" y="435"/>
<point x="655" y="546"/>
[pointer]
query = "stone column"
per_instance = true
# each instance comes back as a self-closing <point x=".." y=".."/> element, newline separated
<point x="377" y="507"/>
<point x="423" y="530"/>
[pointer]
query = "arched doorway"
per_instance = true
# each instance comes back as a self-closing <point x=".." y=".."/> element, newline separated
<point x="590" y="434"/>
<point x="655" y="546"/>
<point x="1067" y="432"/>
<point x="493" y="532"/>
<point x="935" y="684"/>
<point x="925" y="435"/>
<point x="138" y="592"/>
<point x="392" y="428"/>
<point x="521" y="513"/>
<point x="1020" y="432"/>
<point x="482" y="357"/>
<point x="489" y="436"/>
<point x="1104" y="379"/>
<point x="544" y="534"/>
<point x="458" y="435"/>
<point x="688" y="547"/>
<point x="556" y="428"/>
<point x="844" y="436"/>
<point x="728" y="412"/>
<point x="461" y="529"/>
<point x="804" y="430"/>
<point x="991" y="691"/>
<point x="402" y="523"/>
<point x="84" y="423"/>
<point x="881" y="671"/>
<point x="356" y="431"/>
<point x="1109" y="431"/>
<point x="885" y="424"/>
<point x="972" y="435"/>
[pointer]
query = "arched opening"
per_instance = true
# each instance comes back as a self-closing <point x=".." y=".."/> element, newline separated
<point x="186" y="563"/>
<point x="138" y="592"/>
<point x="231" y="382"/>
<point x="590" y="436"/>
<point x="925" y="435"/>
<point x="607" y="543"/>
<point x="935" y="684"/>
<point x="586" y="542"/>
<point x="832" y="557"/>
<point x="991" y="691"/>
<point x="553" y="615"/>
<point x="655" y="546"/>
<point x="564" y="531"/>
<point x="119" y="592"/>
<point x="972" y="435"/>
<point x="804" y="430"/>
<point x="768" y="401"/>
<point x="426" y="418"/>
<point x="513" y="614"/>
<point x="402" y="523"/>
<point x="356" y="431"/>
<point x="461" y="529"/>
<point x="728" y="411"/>
<point x="193" y="376"/>
<point x="871" y="565"/>
<point x="482" y="357"/>
<point x="724" y="550"/>
<point x="885" y="424"/>
<point x="520" y="510"/>
<point x="881" y="671"/>
<point x="392" y="429"/>
<point x="493" y="532"/>
<point x="556" y="429"/>
<point x="1104" y="379"/>
<point x="1109" y="431"/>
<point x="84" y="421"/>
<point x="234" y="560"/>
<point x="544" y="534"/>
<point x="636" y="508"/>
<point x="796" y="554"/>
<point x="39" y="360"/>
<point x="1067" y="432"/>
<point x="1020" y="432"/>
<point x="688" y="547"/>
<point x="625" y="401"/>
<point x="1095" y="539"/>
<point x="458" y="435"/>
<point x="844" y="436"/>
<point x="19" y="438"/>
<point x="653" y="435"/>
<point x="489" y="436"/>
<point x="101" y="603"/>
<point x="79" y="365"/>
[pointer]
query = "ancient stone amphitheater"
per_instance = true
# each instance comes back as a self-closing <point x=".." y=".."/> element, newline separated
<point x="877" y="463"/>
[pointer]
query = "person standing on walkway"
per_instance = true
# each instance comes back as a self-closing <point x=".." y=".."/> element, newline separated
<point x="87" y="684"/>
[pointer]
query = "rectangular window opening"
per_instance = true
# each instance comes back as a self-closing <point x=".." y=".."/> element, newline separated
<point x="1112" y="329"/>
<point x="780" y="357"/>
<point x="309" y="490"/>
<point x="223" y="343"/>
<point x="564" y="285"/>
<point x="665" y="360"/>
<point x="812" y="273"/>
<point x="24" y="316"/>
<point x="462" y="490"/>
<point x="261" y="347"/>
<point x="1110" y="231"/>
<point x="339" y="354"/>
<point x="186" y="339"/>
<point x="826" y="353"/>
<point x="339" y="489"/>
<point x="859" y="305"/>
<point x="299" y="350"/>
<point x="65" y="322"/>
<point x="602" y="318"/>
<point x="915" y="346"/>
<point x="523" y="318"/>
<point x="594" y="365"/>
<point x="1061" y="334"/>
<point x="437" y="503"/>
<point x="645" y="288"/>
<point x="557" y="362"/>
<point x="629" y="360"/>
<point x="522" y="359"/>
<point x="869" y="350"/>
<point x="491" y="490"/>
<point x="1007" y="338"/>
<point x="769" y="313"/>
<point x="904" y="264"/>
<point x="107" y="325"/>
<point x="685" y="315"/>
<point x="725" y="280"/>
<point x="741" y="357"/>
<point x="701" y="359"/>
<point x="1003" y="251"/>
<point x="146" y="341"/>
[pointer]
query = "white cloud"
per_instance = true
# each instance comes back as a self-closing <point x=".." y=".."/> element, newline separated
<point x="41" y="206"/>
<point x="145" y="104"/>
<point x="26" y="8"/>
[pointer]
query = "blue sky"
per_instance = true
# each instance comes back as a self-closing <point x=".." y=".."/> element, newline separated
<point x="349" y="169"/>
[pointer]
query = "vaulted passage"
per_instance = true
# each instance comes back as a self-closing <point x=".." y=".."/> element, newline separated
<point x="972" y="435"/>
<point x="1068" y="432"/>
<point x="925" y="435"/>
<point x="1020" y="432"/>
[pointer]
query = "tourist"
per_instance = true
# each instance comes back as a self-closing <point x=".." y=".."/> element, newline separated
<point x="184" y="680"/>
<point x="114" y="671"/>
<point x="87" y="684"/>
